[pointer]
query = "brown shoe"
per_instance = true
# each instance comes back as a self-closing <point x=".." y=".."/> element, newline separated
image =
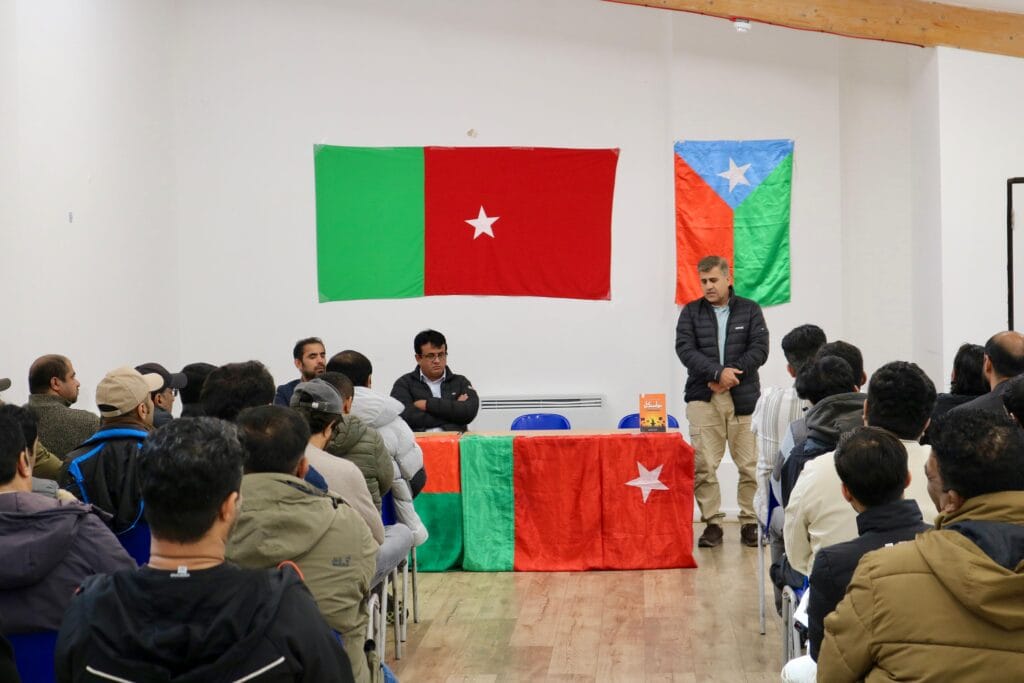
<point x="748" y="535"/>
<point x="711" y="538"/>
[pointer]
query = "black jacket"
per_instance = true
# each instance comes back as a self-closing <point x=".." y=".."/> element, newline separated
<point x="103" y="471"/>
<point x="446" y="412"/>
<point x="834" y="566"/>
<point x="746" y="349"/>
<point x="218" y="624"/>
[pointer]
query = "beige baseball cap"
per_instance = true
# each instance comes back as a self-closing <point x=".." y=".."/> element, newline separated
<point x="121" y="390"/>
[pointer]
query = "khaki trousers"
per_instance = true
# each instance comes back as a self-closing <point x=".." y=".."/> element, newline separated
<point x="713" y="424"/>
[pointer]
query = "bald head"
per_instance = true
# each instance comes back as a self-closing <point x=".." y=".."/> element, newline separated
<point x="1004" y="357"/>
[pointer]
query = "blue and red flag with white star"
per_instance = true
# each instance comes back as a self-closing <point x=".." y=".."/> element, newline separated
<point x="732" y="200"/>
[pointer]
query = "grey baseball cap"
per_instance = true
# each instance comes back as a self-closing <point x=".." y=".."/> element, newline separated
<point x="318" y="395"/>
<point x="5" y="384"/>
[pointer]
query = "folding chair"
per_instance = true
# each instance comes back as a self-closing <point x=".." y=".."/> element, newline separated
<point x="387" y="515"/>
<point x="540" y="421"/>
<point x="762" y="539"/>
<point x="792" y="635"/>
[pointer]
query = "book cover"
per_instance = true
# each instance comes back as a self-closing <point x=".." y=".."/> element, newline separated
<point x="653" y="413"/>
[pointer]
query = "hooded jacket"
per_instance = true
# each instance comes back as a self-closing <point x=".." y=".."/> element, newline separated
<point x="383" y="413"/>
<point x="363" y="445"/>
<point x="447" y="412"/>
<point x="48" y="549"/>
<point x="203" y="626"/>
<point x="285" y="518"/>
<point x="746" y="349"/>
<point x="947" y="606"/>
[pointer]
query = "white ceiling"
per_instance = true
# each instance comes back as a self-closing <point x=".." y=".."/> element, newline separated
<point x="1001" y="5"/>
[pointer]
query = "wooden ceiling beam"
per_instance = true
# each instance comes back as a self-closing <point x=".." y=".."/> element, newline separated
<point x="915" y="22"/>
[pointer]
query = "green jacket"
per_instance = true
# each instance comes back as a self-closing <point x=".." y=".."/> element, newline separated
<point x="284" y="518"/>
<point x="61" y="427"/>
<point x="356" y="441"/>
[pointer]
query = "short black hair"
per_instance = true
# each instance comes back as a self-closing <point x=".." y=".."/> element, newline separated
<point x="901" y="399"/>
<point x="196" y="374"/>
<point x="300" y="346"/>
<point x="432" y="337"/>
<point x="872" y="463"/>
<point x="187" y="469"/>
<point x="848" y="352"/>
<point x="826" y="376"/>
<point x="969" y="371"/>
<point x="978" y="452"/>
<point x="353" y="365"/>
<point x="26" y="419"/>
<point x="46" y="368"/>
<point x="274" y="438"/>
<point x="341" y="382"/>
<point x="801" y="343"/>
<point x="12" y="445"/>
<point x="233" y="387"/>
<point x="1006" y="351"/>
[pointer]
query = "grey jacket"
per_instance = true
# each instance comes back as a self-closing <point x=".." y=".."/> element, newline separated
<point x="61" y="427"/>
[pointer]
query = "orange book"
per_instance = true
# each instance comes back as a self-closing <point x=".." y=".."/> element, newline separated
<point x="653" y="414"/>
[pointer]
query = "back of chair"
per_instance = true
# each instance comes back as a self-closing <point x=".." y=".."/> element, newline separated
<point x="33" y="655"/>
<point x="136" y="542"/>
<point x="541" y="421"/>
<point x="387" y="509"/>
<point x="632" y="421"/>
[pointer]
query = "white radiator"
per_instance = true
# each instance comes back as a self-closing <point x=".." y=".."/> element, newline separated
<point x="584" y="411"/>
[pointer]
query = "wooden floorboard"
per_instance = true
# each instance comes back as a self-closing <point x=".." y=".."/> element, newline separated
<point x="669" y="626"/>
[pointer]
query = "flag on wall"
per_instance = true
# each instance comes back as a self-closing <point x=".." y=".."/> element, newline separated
<point x="395" y="222"/>
<point x="732" y="200"/>
<point x="575" y="503"/>
<point x="439" y="504"/>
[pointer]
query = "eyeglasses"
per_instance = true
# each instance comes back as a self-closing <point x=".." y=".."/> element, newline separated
<point x="435" y="356"/>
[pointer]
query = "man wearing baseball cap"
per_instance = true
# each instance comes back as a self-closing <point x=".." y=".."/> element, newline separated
<point x="102" y="471"/>
<point x="163" y="398"/>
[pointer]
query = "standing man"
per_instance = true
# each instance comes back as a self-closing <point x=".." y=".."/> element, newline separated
<point x="311" y="361"/>
<point x="435" y="398"/>
<point x="722" y="340"/>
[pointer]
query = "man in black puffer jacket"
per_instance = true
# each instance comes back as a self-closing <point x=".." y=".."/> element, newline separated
<point x="722" y="340"/>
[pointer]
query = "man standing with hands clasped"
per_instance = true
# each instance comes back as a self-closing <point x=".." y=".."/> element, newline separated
<point x="722" y="340"/>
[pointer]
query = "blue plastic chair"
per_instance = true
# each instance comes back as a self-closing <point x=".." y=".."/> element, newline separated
<point x="136" y="542"/>
<point x="632" y="421"/>
<point x="33" y="655"/>
<point x="387" y="509"/>
<point x="541" y="421"/>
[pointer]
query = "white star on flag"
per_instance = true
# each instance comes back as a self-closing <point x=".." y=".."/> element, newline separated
<point x="736" y="175"/>
<point x="482" y="224"/>
<point x="648" y="480"/>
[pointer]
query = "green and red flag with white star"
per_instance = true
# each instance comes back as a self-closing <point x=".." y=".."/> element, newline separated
<point x="733" y="200"/>
<point x="573" y="503"/>
<point x="396" y="222"/>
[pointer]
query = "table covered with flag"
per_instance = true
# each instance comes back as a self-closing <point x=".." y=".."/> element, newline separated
<point x="557" y="502"/>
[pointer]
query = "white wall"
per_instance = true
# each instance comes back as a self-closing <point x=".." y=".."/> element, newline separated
<point x="180" y="134"/>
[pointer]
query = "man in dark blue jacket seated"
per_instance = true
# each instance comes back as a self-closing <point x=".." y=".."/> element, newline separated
<point x="311" y="362"/>
<point x="872" y="464"/>
<point x="435" y="398"/>
<point x="188" y="615"/>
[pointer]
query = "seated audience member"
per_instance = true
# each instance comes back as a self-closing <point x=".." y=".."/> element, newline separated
<point x="320" y="405"/>
<point x="945" y="606"/>
<point x="359" y="443"/>
<point x="284" y="519"/>
<point x="775" y="411"/>
<point x="29" y="423"/>
<point x="900" y="399"/>
<point x="1004" y="360"/>
<point x="163" y="398"/>
<point x="383" y="413"/>
<point x="872" y="464"/>
<point x="311" y="361"/>
<point x="435" y="398"/>
<point x="103" y="470"/>
<point x="232" y="388"/>
<point x="188" y="614"/>
<point x="967" y="381"/>
<point x="196" y="373"/>
<point x="830" y="385"/>
<point x="53" y="388"/>
<point x="48" y="546"/>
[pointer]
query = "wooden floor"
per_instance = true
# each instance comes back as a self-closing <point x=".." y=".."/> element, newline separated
<point x="665" y="625"/>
